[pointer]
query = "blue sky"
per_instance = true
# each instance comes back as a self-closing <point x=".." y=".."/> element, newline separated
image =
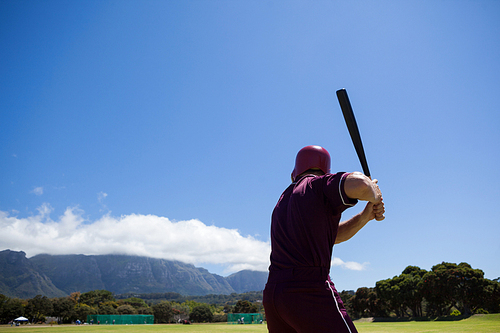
<point x="170" y="128"/>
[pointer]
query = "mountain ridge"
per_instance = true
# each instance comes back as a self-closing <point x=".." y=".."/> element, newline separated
<point x="60" y="275"/>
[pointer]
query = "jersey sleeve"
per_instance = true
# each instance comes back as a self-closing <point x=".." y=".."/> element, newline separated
<point x="334" y="190"/>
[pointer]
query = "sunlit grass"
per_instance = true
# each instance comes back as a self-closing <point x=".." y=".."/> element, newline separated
<point x="477" y="324"/>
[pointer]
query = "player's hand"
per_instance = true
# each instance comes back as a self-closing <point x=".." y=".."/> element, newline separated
<point x="376" y="191"/>
<point x="378" y="207"/>
<point x="379" y="210"/>
<point x="374" y="211"/>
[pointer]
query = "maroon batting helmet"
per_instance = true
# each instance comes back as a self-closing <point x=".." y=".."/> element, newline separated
<point x="311" y="157"/>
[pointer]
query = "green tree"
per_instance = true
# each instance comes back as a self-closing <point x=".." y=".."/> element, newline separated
<point x="244" y="306"/>
<point x="228" y="308"/>
<point x="83" y="310"/>
<point x="180" y="311"/>
<point x="145" y="311"/>
<point x="389" y="293"/>
<point x="201" y="314"/>
<point x="437" y="295"/>
<point x="133" y="301"/>
<point x="450" y="285"/>
<point x="38" y="308"/>
<point x="107" y="308"/>
<point x="190" y="304"/>
<point x="75" y="297"/>
<point x="126" y="309"/>
<point x="3" y="301"/>
<point x="64" y="309"/>
<point x="346" y="297"/>
<point x="365" y="303"/>
<point x="402" y="293"/>
<point x="162" y="312"/>
<point x="113" y="304"/>
<point x="95" y="297"/>
<point x="10" y="308"/>
<point x="410" y="287"/>
<point x="491" y="296"/>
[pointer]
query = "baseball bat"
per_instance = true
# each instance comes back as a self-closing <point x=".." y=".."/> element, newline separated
<point x="352" y="126"/>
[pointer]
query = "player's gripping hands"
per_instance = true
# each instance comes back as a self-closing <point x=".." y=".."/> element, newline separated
<point x="358" y="186"/>
<point x="378" y="204"/>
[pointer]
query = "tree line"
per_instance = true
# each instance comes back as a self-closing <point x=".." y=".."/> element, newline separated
<point x="78" y="305"/>
<point x="231" y="299"/>
<point x="447" y="289"/>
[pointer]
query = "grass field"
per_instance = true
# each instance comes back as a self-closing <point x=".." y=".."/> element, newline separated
<point x="476" y="324"/>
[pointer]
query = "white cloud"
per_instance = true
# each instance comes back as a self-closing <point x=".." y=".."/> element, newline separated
<point x="101" y="196"/>
<point x="37" y="191"/>
<point x="189" y="241"/>
<point x="144" y="235"/>
<point x="351" y="265"/>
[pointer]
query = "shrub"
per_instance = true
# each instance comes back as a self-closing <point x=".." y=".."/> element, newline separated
<point x="126" y="309"/>
<point x="220" y="318"/>
<point x="162" y="312"/>
<point x="244" y="306"/>
<point x="201" y="314"/>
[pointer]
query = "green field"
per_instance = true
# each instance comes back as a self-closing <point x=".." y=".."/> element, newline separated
<point x="476" y="324"/>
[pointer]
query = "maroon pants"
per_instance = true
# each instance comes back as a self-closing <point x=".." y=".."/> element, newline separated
<point x="304" y="300"/>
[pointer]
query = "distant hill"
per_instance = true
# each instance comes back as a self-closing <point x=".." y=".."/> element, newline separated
<point x="59" y="275"/>
<point x="244" y="281"/>
<point x="20" y="278"/>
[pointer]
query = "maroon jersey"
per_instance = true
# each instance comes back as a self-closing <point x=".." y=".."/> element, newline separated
<point x="299" y="295"/>
<point x="305" y="221"/>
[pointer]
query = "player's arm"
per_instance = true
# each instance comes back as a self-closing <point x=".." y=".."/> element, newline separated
<point x="349" y="228"/>
<point x="358" y="186"/>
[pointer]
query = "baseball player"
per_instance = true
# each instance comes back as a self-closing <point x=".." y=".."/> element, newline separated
<point x="299" y="295"/>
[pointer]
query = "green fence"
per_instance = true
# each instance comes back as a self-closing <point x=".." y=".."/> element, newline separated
<point x="245" y="318"/>
<point x="120" y="319"/>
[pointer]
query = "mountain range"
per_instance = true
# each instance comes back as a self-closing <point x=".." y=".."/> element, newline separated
<point x="60" y="275"/>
